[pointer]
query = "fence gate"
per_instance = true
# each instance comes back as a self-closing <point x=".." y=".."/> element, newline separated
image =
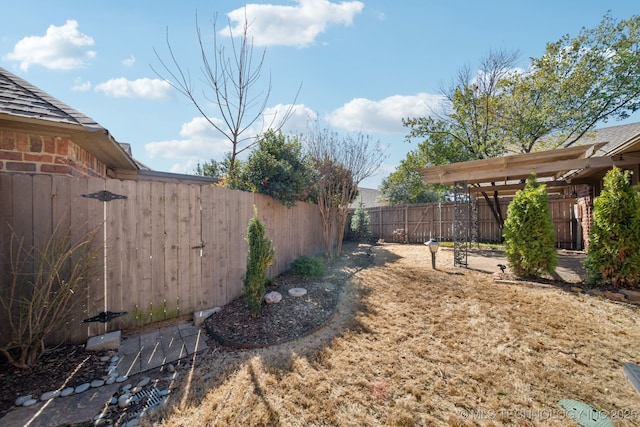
<point x="153" y="242"/>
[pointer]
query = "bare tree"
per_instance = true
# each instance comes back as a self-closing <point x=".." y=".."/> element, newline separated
<point x="342" y="162"/>
<point x="230" y="81"/>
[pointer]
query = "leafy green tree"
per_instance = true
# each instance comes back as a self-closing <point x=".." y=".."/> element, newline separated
<point x="577" y="83"/>
<point x="529" y="237"/>
<point x="468" y="129"/>
<point x="613" y="255"/>
<point x="278" y="169"/>
<point x="406" y="186"/>
<point x="259" y="259"/>
<point x="360" y="223"/>
<point x="211" y="168"/>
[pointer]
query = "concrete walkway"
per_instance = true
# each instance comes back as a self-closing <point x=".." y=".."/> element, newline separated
<point x="137" y="354"/>
<point x="153" y="349"/>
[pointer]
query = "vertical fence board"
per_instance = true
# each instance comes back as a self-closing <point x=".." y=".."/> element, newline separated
<point x="22" y="214"/>
<point x="6" y="208"/>
<point x="116" y="242"/>
<point x="155" y="300"/>
<point x="127" y="223"/>
<point x="219" y="245"/>
<point x="171" y="242"/>
<point x="144" y="237"/>
<point x="207" y="294"/>
<point x="95" y="298"/>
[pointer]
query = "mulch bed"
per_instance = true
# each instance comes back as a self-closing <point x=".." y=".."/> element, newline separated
<point x="291" y="318"/>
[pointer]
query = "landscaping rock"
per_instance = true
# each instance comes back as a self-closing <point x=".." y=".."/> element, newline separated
<point x="124" y="400"/>
<point x="82" y="388"/>
<point x="273" y="298"/>
<point x="20" y="401"/>
<point x="297" y="292"/>
<point x="199" y="316"/>
<point x="631" y="295"/>
<point x="109" y="341"/>
<point x="143" y="382"/>
<point x="67" y="392"/>
<point x="49" y="395"/>
<point x="29" y="402"/>
<point x="97" y="383"/>
<point x="614" y="296"/>
<point x="594" y="292"/>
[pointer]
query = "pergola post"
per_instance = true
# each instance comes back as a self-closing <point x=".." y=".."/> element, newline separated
<point x="461" y="216"/>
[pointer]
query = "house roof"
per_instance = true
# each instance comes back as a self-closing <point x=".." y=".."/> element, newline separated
<point x="592" y="154"/>
<point x="22" y="102"/>
<point x="368" y="197"/>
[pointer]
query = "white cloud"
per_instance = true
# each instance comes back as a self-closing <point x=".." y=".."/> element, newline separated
<point x="298" y="122"/>
<point x="298" y="25"/>
<point x="384" y="116"/>
<point x="129" y="61"/>
<point x="80" y="86"/>
<point x="140" y="88"/>
<point x="199" y="141"/>
<point x="61" y="48"/>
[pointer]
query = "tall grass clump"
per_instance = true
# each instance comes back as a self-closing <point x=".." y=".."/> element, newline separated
<point x="40" y="288"/>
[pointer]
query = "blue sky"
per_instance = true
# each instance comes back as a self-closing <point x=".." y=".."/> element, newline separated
<point x="363" y="65"/>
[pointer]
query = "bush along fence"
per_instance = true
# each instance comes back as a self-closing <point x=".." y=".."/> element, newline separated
<point x="164" y="249"/>
<point x="421" y="222"/>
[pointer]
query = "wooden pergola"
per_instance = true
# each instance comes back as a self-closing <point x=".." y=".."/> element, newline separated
<point x="560" y="169"/>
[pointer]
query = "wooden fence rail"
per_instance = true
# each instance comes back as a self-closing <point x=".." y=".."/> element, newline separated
<point x="167" y="249"/>
<point x="421" y="222"/>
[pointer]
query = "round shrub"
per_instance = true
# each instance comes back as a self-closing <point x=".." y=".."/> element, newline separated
<point x="308" y="266"/>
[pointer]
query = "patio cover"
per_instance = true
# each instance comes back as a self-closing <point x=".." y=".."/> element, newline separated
<point x="557" y="168"/>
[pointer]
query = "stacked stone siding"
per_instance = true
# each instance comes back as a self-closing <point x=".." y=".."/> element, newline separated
<point x="32" y="153"/>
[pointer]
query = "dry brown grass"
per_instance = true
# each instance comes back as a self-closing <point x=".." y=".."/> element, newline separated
<point x="412" y="346"/>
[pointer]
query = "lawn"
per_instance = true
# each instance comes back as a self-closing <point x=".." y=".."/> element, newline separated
<point x="412" y="346"/>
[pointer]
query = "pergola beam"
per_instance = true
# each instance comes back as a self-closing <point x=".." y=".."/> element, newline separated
<point x="553" y="163"/>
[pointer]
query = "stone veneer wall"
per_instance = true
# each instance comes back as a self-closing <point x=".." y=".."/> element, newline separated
<point x="33" y="153"/>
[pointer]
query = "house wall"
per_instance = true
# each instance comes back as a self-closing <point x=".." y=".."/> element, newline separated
<point x="52" y="154"/>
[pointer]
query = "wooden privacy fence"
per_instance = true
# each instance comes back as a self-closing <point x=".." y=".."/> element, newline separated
<point x="167" y="249"/>
<point x="421" y="222"/>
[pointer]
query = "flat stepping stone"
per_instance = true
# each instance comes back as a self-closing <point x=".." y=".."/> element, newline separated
<point x="584" y="414"/>
<point x="297" y="292"/>
<point x="632" y="372"/>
